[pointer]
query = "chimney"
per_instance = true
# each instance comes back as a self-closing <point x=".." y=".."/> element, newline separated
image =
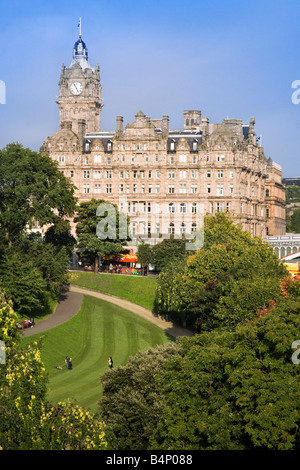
<point x="81" y="129"/>
<point x="119" y="123"/>
<point x="165" y="123"/>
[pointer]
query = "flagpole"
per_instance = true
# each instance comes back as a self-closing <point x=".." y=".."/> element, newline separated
<point x="80" y="27"/>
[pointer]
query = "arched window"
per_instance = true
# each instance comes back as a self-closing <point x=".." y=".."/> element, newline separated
<point x="182" y="207"/>
<point x="171" y="228"/>
<point x="171" y="207"/>
<point x="182" y="228"/>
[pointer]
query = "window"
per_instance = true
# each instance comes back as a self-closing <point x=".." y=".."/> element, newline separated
<point x="220" y="174"/>
<point x="150" y="174"/>
<point x="97" y="188"/>
<point x="171" y="189"/>
<point x="194" y="208"/>
<point x="97" y="158"/>
<point x="122" y="147"/>
<point x="231" y="189"/>
<point x="86" y="160"/>
<point x="109" y="146"/>
<point x="86" y="174"/>
<point x="208" y="188"/>
<point x="182" y="208"/>
<point x="267" y="192"/>
<point x="194" y="174"/>
<point x="182" y="188"/>
<point x="182" y="158"/>
<point x="157" y="174"/>
<point x="150" y="188"/>
<point x="134" y="174"/>
<point x="142" y="174"/>
<point x="220" y="158"/>
<point x="182" y="228"/>
<point x="86" y="188"/>
<point x="143" y="188"/>
<point x="194" y="160"/>
<point x="208" y="174"/>
<point x="121" y="175"/>
<point x="147" y="159"/>
<point x="97" y="174"/>
<point x="171" y="229"/>
<point x="108" y="160"/>
<point x="61" y="159"/>
<point x="135" y="188"/>
<point x="267" y="213"/>
<point x="171" y="208"/>
<point x="172" y="145"/>
<point x="193" y="228"/>
<point x="193" y="188"/>
<point x="182" y="174"/>
<point x="219" y="190"/>
<point x="121" y="188"/>
<point x="231" y="174"/>
<point x="195" y="145"/>
<point x="132" y="160"/>
<point x="71" y="173"/>
<point x="149" y="207"/>
<point x="172" y="160"/>
<point x="219" y="206"/>
<point x="171" y="174"/>
<point x="157" y="189"/>
<point x="108" y="188"/>
<point x="108" y="174"/>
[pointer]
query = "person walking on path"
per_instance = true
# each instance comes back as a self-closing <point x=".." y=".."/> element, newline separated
<point x="68" y="362"/>
<point x="110" y="362"/>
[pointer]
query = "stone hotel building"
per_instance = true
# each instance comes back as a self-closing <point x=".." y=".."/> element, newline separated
<point x="164" y="179"/>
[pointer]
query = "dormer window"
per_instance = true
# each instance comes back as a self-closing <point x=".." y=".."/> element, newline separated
<point x="172" y="145"/>
<point x="195" y="145"/>
<point x="109" y="146"/>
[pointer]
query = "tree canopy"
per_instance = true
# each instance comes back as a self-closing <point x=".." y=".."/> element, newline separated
<point x="100" y="231"/>
<point x="224" y="282"/>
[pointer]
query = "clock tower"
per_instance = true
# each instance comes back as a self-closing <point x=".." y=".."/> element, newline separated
<point x="80" y="92"/>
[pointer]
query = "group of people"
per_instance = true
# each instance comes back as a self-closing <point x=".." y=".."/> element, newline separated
<point x="68" y="362"/>
<point x="117" y="268"/>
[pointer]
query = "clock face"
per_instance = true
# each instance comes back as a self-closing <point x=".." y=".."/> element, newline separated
<point x="76" y="88"/>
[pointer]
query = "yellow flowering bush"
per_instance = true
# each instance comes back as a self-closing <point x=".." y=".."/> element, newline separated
<point x="27" y="420"/>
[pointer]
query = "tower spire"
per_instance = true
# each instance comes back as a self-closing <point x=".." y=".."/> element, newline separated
<point x="79" y="25"/>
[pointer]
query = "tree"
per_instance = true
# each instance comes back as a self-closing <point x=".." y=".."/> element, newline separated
<point x="27" y="420"/>
<point x="131" y="402"/>
<point x="235" y="390"/>
<point x="32" y="189"/>
<point x="144" y="254"/>
<point x="168" y="251"/>
<point x="99" y="226"/>
<point x="224" y="282"/>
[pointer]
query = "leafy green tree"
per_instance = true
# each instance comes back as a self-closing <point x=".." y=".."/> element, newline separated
<point x="144" y="254"/>
<point x="235" y="390"/>
<point x="223" y="283"/>
<point x="110" y="239"/>
<point x="169" y="251"/>
<point x="32" y="189"/>
<point x="131" y="402"/>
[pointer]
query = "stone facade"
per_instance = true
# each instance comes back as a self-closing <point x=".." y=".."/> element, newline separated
<point x="164" y="179"/>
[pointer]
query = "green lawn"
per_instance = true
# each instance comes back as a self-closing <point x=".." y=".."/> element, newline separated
<point x="140" y="290"/>
<point x="99" y="330"/>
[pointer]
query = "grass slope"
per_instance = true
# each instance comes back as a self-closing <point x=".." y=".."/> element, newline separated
<point x="99" y="330"/>
<point x="140" y="290"/>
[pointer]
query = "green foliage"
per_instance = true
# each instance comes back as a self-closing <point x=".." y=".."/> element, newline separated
<point x="87" y="221"/>
<point x="169" y="251"/>
<point x="27" y="420"/>
<point x="293" y="222"/>
<point x="225" y="282"/>
<point x="131" y="403"/>
<point x="234" y="390"/>
<point x="292" y="194"/>
<point x="32" y="189"/>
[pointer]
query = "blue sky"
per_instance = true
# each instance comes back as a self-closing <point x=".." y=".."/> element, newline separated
<point x="227" y="58"/>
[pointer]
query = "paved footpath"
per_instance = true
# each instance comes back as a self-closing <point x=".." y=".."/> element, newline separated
<point x="70" y="303"/>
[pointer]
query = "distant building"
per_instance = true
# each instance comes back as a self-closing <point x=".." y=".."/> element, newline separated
<point x="164" y="179"/>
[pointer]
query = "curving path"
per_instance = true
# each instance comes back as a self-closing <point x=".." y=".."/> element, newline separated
<point x="70" y="301"/>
